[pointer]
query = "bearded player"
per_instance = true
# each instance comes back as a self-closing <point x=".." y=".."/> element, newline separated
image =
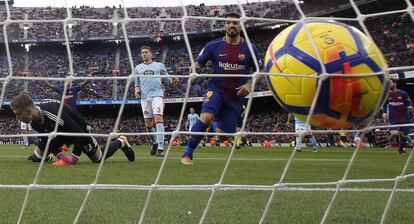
<point x="396" y="111"/>
<point x="224" y="95"/>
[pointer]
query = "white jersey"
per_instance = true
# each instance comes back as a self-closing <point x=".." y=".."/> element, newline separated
<point x="191" y="120"/>
<point x="25" y="126"/>
<point x="301" y="125"/>
<point x="150" y="87"/>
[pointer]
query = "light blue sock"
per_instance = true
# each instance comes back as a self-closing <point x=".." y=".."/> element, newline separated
<point x="298" y="145"/>
<point x="312" y="141"/>
<point x="160" y="137"/>
<point x="26" y="140"/>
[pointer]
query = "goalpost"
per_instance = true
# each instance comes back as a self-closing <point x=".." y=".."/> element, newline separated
<point x="279" y="185"/>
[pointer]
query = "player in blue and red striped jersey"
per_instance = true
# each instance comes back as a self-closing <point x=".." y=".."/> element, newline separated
<point x="396" y="110"/>
<point x="225" y="95"/>
<point x="71" y="92"/>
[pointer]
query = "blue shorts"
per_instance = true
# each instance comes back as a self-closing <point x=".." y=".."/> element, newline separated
<point x="226" y="110"/>
<point x="406" y="130"/>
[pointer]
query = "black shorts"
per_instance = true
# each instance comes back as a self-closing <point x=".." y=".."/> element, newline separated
<point x="87" y="145"/>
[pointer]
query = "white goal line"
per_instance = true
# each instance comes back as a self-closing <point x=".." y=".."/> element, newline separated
<point x="224" y="187"/>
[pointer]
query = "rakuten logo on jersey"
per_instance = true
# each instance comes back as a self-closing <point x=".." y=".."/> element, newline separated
<point x="232" y="67"/>
<point x="394" y="104"/>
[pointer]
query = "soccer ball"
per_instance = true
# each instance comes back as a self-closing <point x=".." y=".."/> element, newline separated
<point x="343" y="49"/>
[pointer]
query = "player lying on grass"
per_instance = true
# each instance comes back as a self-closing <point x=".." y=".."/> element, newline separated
<point x="43" y="119"/>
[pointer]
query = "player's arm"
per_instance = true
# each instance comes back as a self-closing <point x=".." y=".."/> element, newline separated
<point x="245" y="89"/>
<point x="203" y="57"/>
<point x="137" y="90"/>
<point x="198" y="66"/>
<point x="164" y="71"/>
<point x="48" y="84"/>
<point x="69" y="122"/>
<point x="83" y="83"/>
<point x="72" y="123"/>
<point x="187" y="125"/>
<point x="41" y="147"/>
<point x="385" y="111"/>
<point x="409" y="103"/>
<point x="290" y="116"/>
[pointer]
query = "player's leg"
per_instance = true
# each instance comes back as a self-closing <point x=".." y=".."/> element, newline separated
<point x="299" y="127"/>
<point x="238" y="139"/>
<point x="298" y="143"/>
<point x="95" y="153"/>
<point x="409" y="140"/>
<point x="311" y="139"/>
<point x="147" y="112"/>
<point x="343" y="141"/>
<point x="228" y="118"/>
<point x="193" y="141"/>
<point x="23" y="130"/>
<point x="25" y="139"/>
<point x="149" y="124"/>
<point x="312" y="142"/>
<point x="403" y="138"/>
<point x="398" y="134"/>
<point x="211" y="106"/>
<point x="158" y="111"/>
<point x="121" y="143"/>
<point x="29" y="131"/>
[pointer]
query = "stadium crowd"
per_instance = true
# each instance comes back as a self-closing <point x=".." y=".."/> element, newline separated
<point x="394" y="35"/>
<point x="93" y="30"/>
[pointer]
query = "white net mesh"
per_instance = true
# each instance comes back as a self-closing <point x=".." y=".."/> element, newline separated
<point x="186" y="20"/>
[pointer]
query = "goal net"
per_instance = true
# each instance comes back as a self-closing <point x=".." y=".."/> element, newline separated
<point x="225" y="184"/>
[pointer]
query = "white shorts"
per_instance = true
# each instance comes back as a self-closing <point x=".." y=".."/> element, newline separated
<point x="24" y="126"/>
<point x="151" y="106"/>
<point x="302" y="127"/>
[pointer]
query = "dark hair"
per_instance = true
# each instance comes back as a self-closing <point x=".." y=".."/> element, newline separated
<point x="232" y="14"/>
<point x="22" y="101"/>
<point x="145" y="47"/>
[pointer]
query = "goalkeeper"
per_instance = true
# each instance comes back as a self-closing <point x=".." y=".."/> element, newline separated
<point x="43" y="119"/>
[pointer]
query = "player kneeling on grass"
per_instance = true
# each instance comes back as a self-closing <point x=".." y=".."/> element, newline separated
<point x="43" y="119"/>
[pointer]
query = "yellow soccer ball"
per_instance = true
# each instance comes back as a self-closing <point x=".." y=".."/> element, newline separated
<point x="343" y="49"/>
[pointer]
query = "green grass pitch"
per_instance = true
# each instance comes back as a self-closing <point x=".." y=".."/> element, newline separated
<point x="360" y="203"/>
